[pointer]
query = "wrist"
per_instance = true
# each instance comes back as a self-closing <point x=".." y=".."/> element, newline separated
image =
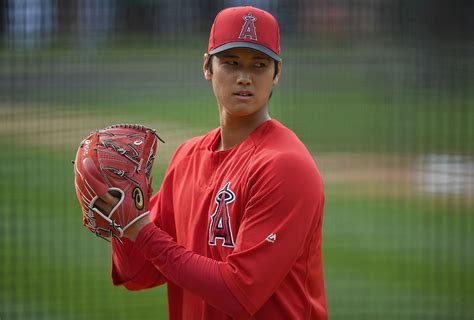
<point x="133" y="231"/>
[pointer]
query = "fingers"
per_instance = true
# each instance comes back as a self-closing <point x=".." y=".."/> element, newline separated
<point x="109" y="199"/>
<point x="106" y="202"/>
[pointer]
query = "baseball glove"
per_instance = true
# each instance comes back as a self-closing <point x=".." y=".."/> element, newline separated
<point x="116" y="161"/>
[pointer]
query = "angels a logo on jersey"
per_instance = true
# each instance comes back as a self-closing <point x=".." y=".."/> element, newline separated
<point x="219" y="226"/>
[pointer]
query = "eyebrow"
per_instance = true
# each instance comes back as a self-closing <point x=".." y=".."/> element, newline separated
<point x="237" y="57"/>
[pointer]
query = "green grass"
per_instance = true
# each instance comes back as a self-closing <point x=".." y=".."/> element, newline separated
<point x="363" y="99"/>
<point x="386" y="257"/>
<point x="383" y="258"/>
<point x="52" y="267"/>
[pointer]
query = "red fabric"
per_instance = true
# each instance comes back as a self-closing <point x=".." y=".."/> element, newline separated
<point x="257" y="209"/>
<point x="190" y="271"/>
<point x="131" y="269"/>
<point x="245" y="25"/>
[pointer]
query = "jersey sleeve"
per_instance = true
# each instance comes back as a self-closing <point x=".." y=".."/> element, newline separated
<point x="284" y="210"/>
<point x="129" y="266"/>
<point x="195" y="273"/>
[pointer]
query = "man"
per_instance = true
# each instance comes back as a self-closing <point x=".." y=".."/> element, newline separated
<point x="235" y="229"/>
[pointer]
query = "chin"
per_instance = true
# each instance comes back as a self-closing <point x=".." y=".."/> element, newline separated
<point x="245" y="112"/>
<point x="242" y="109"/>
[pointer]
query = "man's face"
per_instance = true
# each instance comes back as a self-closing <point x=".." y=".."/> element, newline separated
<point x="242" y="80"/>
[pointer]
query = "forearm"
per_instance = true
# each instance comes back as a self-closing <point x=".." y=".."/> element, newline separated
<point x="193" y="272"/>
<point x="131" y="269"/>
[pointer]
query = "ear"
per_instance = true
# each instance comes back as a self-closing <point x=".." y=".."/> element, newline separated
<point x="205" y="67"/>
<point x="277" y="77"/>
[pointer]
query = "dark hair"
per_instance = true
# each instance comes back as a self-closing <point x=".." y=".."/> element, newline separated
<point x="212" y="56"/>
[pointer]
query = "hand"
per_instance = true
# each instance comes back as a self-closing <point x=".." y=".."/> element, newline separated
<point x="107" y="202"/>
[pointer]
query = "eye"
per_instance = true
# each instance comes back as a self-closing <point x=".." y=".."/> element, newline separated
<point x="231" y="62"/>
<point x="260" y="65"/>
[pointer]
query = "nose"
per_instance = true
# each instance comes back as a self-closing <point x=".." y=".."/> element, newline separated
<point x="244" y="78"/>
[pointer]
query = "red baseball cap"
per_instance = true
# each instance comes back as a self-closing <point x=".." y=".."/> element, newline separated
<point x="245" y="27"/>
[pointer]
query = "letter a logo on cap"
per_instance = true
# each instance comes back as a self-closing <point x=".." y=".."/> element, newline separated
<point x="248" y="29"/>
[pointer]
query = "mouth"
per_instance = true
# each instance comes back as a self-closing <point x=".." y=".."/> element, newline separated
<point x="243" y="94"/>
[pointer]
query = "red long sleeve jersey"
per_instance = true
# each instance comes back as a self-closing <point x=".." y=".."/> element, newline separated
<point x="258" y="208"/>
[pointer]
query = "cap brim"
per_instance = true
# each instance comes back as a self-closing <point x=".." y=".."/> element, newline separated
<point x="250" y="45"/>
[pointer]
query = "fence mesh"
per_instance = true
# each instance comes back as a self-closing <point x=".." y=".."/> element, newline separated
<point x="381" y="92"/>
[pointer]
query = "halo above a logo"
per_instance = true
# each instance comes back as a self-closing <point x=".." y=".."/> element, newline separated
<point x="248" y="28"/>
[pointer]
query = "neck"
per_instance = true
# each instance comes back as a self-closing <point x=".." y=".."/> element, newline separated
<point x="234" y="130"/>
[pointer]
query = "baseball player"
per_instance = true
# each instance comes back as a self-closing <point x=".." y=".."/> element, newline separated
<point x="235" y="230"/>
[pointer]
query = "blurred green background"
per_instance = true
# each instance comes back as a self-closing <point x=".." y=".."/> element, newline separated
<point x="381" y="92"/>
